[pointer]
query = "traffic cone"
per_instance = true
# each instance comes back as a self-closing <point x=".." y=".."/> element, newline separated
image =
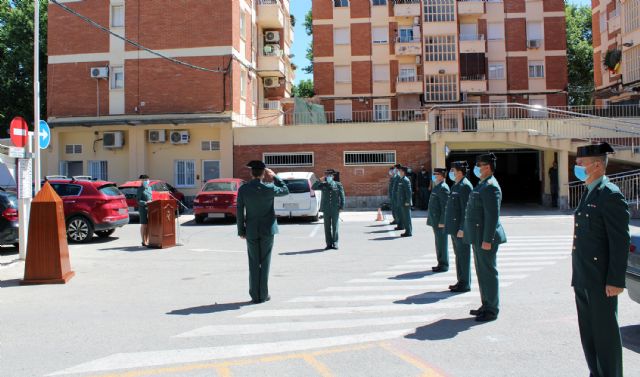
<point x="379" y="217"/>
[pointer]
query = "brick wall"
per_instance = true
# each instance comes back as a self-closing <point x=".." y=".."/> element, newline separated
<point x="553" y="5"/>
<point x="558" y="99"/>
<point x="361" y="77"/>
<point x="515" y="6"/>
<point x="518" y="77"/>
<point x="556" y="72"/>
<point x="322" y="40"/>
<point x="394" y="72"/>
<point x="360" y="8"/>
<point x="323" y="78"/>
<point x="597" y="68"/>
<point x="67" y="34"/>
<point x="595" y="26"/>
<point x="515" y="34"/>
<point x="555" y="33"/>
<point x="72" y="92"/>
<point x="321" y="10"/>
<point x="361" y="39"/>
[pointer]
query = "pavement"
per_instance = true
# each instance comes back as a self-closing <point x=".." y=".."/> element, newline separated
<point x="372" y="308"/>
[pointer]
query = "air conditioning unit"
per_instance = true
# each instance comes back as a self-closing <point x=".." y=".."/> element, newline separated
<point x="534" y="43"/>
<point x="99" y="72"/>
<point x="272" y="36"/>
<point x="179" y="137"/>
<point x="113" y="140"/>
<point x="271" y="82"/>
<point x="156" y="136"/>
<point x="418" y="60"/>
<point x="271" y="49"/>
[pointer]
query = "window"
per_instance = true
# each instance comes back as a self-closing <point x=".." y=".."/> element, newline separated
<point x="185" y="173"/>
<point x="243" y="25"/>
<point x="63" y="189"/>
<point x="631" y="11"/>
<point x="536" y="69"/>
<point x="439" y="10"/>
<point x="534" y="31"/>
<point x="380" y="35"/>
<point x="440" y="48"/>
<point x="341" y="36"/>
<point x="343" y="112"/>
<point x="381" y="112"/>
<point x="379" y="2"/>
<point x="340" y="3"/>
<point x="73" y="149"/>
<point x="210" y="170"/>
<point x="468" y="32"/>
<point x="496" y="71"/>
<point x="407" y="74"/>
<point x="370" y="158"/>
<point x="603" y="22"/>
<point x="117" y="78"/>
<point x="117" y="16"/>
<point x="631" y="64"/>
<point x="342" y="73"/>
<point x="405" y="35"/>
<point x="210" y="145"/>
<point x="288" y="159"/>
<point x="243" y="84"/>
<point x="441" y="88"/>
<point x="380" y="72"/>
<point x="98" y="170"/>
<point x="495" y="31"/>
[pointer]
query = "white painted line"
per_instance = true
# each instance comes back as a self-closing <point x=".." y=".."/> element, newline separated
<point x="531" y="253"/>
<point x="315" y="230"/>
<point x="192" y="355"/>
<point x="509" y="269"/>
<point x="425" y="278"/>
<point x="547" y="258"/>
<point x="217" y="251"/>
<point x="350" y="310"/>
<point x="398" y="288"/>
<point x="306" y="326"/>
<point x="522" y="264"/>
<point x="391" y="297"/>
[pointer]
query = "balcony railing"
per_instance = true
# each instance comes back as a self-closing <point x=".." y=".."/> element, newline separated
<point x="330" y="117"/>
<point x="474" y="77"/>
<point x="269" y="2"/>
<point x="412" y="78"/>
<point x="271" y="105"/>
<point x="472" y="37"/>
<point x="628" y="182"/>
<point x="407" y="39"/>
<point x="406" y="2"/>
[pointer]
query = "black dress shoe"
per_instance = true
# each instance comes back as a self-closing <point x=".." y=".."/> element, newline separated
<point x="393" y="222"/>
<point x="439" y="269"/>
<point x="435" y="269"/>
<point x="335" y="247"/>
<point x="267" y="298"/>
<point x="460" y="290"/>
<point x="406" y="235"/>
<point x="398" y="228"/>
<point x="452" y="287"/>
<point x="476" y="311"/>
<point x="486" y="317"/>
<point x="328" y="247"/>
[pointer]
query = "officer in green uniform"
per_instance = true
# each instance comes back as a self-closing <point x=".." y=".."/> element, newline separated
<point x="436" y="217"/>
<point x="394" y="200"/>
<point x="482" y="229"/>
<point x="256" y="221"/>
<point x="600" y="249"/>
<point x="454" y="224"/>
<point x="331" y="204"/>
<point x="403" y="198"/>
<point x="144" y="197"/>
<point x="392" y="176"/>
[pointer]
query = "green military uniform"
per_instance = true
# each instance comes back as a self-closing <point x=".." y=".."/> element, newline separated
<point x="395" y="204"/>
<point x="436" y="216"/>
<point x="599" y="258"/>
<point x="482" y="224"/>
<point x="392" y="181"/>
<point x="455" y="213"/>
<point x="404" y="202"/>
<point x="331" y="204"/>
<point x="256" y="222"/>
<point x="143" y="195"/>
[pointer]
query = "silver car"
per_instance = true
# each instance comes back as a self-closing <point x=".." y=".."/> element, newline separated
<point x="633" y="269"/>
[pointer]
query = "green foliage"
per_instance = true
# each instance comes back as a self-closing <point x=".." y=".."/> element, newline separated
<point x="308" y="26"/>
<point x="579" y="54"/>
<point x="304" y="89"/>
<point x="16" y="60"/>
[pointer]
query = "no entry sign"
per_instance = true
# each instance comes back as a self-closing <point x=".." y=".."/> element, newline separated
<point x="19" y="132"/>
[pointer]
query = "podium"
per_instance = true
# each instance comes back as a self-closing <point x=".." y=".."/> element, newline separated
<point x="162" y="223"/>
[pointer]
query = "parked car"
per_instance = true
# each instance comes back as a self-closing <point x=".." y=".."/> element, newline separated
<point x="217" y="199"/>
<point x="159" y="190"/>
<point x="9" y="234"/>
<point x="91" y="206"/>
<point x="302" y="201"/>
<point x="633" y="269"/>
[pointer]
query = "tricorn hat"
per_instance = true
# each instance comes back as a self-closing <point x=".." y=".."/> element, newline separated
<point x="442" y="171"/>
<point x="460" y="165"/>
<point x="256" y="164"/>
<point x="397" y="166"/>
<point x="600" y="149"/>
<point x="404" y="169"/>
<point x="488" y="158"/>
<point x="329" y="171"/>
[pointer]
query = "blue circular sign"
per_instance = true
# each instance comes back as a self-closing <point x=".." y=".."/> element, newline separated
<point x="45" y="135"/>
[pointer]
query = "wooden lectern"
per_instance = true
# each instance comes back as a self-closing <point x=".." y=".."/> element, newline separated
<point x="162" y="223"/>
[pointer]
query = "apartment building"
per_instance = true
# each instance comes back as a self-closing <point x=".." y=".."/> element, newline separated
<point x="388" y="58"/>
<point x="616" y="51"/>
<point x="164" y="101"/>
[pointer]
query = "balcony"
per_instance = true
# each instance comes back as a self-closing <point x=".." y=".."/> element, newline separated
<point x="270" y="14"/>
<point x="614" y="21"/>
<point x="270" y="113"/>
<point x="472" y="43"/>
<point x="406" y="8"/>
<point x="271" y="62"/>
<point x="368" y="116"/>
<point x="408" y="46"/>
<point x="471" y="7"/>
<point x="473" y="84"/>
<point x="409" y="85"/>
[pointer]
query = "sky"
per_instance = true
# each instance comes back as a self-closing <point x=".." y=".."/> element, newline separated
<point x="301" y="40"/>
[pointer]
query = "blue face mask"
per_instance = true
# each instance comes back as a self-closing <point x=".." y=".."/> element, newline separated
<point x="452" y="175"/>
<point x="580" y="173"/>
<point x="434" y="178"/>
<point x="329" y="179"/>
<point x="476" y="171"/>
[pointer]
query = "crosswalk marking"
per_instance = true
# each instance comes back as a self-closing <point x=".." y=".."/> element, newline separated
<point x="424" y="278"/>
<point x="451" y="269"/>
<point x="399" y="288"/>
<point x="390" y="297"/>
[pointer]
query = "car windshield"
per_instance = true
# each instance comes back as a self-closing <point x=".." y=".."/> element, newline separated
<point x="297" y="186"/>
<point x="9" y="198"/>
<point x="129" y="192"/>
<point x="220" y="186"/>
<point x="110" y="190"/>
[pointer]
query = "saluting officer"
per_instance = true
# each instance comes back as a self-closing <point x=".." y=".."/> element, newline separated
<point x="482" y="229"/>
<point x="436" y="218"/>
<point x="455" y="213"/>
<point x="331" y="204"/>
<point x="392" y="181"/>
<point x="403" y="198"/>
<point x="256" y="221"/>
<point x="394" y="201"/>
<point x="600" y="248"/>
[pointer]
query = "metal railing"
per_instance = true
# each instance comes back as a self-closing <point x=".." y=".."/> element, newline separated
<point x="608" y="111"/>
<point x="628" y="182"/>
<point x="271" y="105"/>
<point x="407" y="39"/>
<point x="471" y="37"/>
<point x="269" y="2"/>
<point x="405" y="2"/>
<point x="368" y="116"/>
<point x="474" y="77"/>
<point x="412" y="78"/>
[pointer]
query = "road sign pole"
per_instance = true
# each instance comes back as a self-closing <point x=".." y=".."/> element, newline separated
<point x="36" y="94"/>
<point x="24" y="207"/>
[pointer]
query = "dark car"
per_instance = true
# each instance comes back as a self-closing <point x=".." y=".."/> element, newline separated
<point x="9" y="234"/>
<point x="159" y="190"/>
<point x="633" y="269"/>
<point x="91" y="206"/>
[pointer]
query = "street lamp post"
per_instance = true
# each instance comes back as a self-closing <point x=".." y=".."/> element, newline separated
<point x="36" y="94"/>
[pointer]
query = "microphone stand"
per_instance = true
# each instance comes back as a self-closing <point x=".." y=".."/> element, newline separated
<point x="178" y="243"/>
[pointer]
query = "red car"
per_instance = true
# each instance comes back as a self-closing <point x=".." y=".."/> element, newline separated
<point x="217" y="199"/>
<point x="159" y="190"/>
<point x="91" y="207"/>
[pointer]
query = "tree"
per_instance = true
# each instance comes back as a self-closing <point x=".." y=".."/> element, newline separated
<point x="304" y="89"/>
<point x="16" y="60"/>
<point x="308" y="26"/>
<point x="579" y="54"/>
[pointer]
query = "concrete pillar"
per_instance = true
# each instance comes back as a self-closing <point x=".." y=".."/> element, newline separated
<point x="438" y="157"/>
<point x="563" y="179"/>
<point x="51" y="160"/>
<point x="226" y="150"/>
<point x="548" y="158"/>
<point x="137" y="152"/>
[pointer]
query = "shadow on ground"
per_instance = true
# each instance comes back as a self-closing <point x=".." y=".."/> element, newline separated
<point x="413" y="275"/>
<point x="427" y="298"/>
<point x="443" y="329"/>
<point x="314" y="251"/>
<point x="384" y="238"/>
<point x="631" y="337"/>
<point x="129" y="249"/>
<point x="209" y="309"/>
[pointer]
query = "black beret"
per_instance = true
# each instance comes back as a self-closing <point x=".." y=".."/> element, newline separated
<point x="460" y="164"/>
<point x="440" y="171"/>
<point x="256" y="164"/>
<point x="488" y="158"/>
<point x="595" y="150"/>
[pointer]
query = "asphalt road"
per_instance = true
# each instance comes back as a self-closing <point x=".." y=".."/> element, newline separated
<point x="372" y="308"/>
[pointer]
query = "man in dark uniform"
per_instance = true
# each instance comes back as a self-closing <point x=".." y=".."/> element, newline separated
<point x="394" y="202"/>
<point x="600" y="249"/>
<point x="331" y="204"/>
<point x="256" y="221"/>
<point x="436" y="218"/>
<point x="482" y="229"/>
<point x="423" y="183"/>
<point x="392" y="176"/>
<point x="553" y="182"/>
<point x="403" y="198"/>
<point x="455" y="214"/>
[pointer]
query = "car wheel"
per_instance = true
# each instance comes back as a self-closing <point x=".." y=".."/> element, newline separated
<point x="316" y="217"/>
<point x="79" y="229"/>
<point x="105" y="233"/>
<point x="199" y="219"/>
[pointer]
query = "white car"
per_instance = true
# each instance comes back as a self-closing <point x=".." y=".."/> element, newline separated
<point x="302" y="201"/>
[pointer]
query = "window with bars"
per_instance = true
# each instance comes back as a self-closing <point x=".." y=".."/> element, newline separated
<point x="99" y="170"/>
<point x="73" y="149"/>
<point x="439" y="10"/>
<point x="210" y="145"/>
<point x="185" y="173"/>
<point x="440" y="48"/>
<point x="288" y="159"/>
<point x="441" y="88"/>
<point x="369" y="158"/>
<point x="631" y="64"/>
<point x="536" y="70"/>
<point x="631" y="11"/>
